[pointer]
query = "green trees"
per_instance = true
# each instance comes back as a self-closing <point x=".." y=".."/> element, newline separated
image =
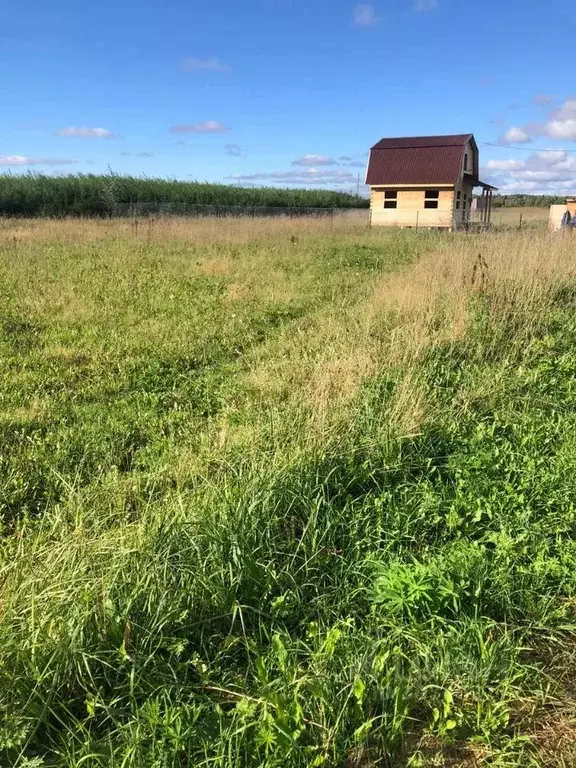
<point x="538" y="201"/>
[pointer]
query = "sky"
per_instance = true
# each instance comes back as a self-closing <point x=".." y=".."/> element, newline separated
<point x="285" y="92"/>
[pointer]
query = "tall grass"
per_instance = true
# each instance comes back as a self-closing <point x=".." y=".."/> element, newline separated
<point x="34" y="194"/>
<point x="297" y="497"/>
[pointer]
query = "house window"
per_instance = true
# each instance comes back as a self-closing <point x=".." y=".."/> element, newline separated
<point x="458" y="195"/>
<point x="391" y="198"/>
<point x="431" y="197"/>
<point x="465" y="161"/>
<point x="457" y="205"/>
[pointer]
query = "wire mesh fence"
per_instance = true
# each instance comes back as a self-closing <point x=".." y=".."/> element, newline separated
<point x="193" y="210"/>
<point x="219" y="211"/>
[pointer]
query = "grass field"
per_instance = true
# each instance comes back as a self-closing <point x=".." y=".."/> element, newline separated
<point x="531" y="216"/>
<point x="286" y="493"/>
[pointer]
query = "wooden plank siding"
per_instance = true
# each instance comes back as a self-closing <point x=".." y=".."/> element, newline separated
<point x="459" y="214"/>
<point x="410" y="210"/>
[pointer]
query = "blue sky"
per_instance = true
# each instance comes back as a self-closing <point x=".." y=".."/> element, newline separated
<point x="284" y="91"/>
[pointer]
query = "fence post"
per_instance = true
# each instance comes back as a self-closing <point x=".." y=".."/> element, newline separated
<point x="331" y="218"/>
<point x="520" y="222"/>
<point x="417" y="219"/>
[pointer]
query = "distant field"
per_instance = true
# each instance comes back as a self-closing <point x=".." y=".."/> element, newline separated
<point x="529" y="215"/>
<point x="286" y="493"/>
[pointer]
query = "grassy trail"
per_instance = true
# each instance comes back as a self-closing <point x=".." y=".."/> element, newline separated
<point x="278" y="494"/>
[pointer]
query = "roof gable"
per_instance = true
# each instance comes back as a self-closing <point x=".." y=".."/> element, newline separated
<point x="418" y="160"/>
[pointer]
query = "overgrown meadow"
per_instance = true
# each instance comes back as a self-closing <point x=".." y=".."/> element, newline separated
<point x="286" y="493"/>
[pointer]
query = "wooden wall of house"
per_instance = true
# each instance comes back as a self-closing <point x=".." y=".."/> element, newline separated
<point x="473" y="161"/>
<point x="461" y="215"/>
<point x="410" y="211"/>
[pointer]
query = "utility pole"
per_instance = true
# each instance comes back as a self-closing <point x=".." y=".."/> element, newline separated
<point x="358" y="186"/>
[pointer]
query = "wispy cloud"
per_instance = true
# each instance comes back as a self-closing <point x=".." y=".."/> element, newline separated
<point x="542" y="98"/>
<point x="208" y="126"/>
<point x="365" y="15"/>
<point x="313" y="160"/>
<point x="85" y="132"/>
<point x="136" y="154"/>
<point x="487" y="81"/>
<point x="194" y="64"/>
<point x="421" y="6"/>
<point x="21" y="160"/>
<point x="233" y="149"/>
<point x="311" y="176"/>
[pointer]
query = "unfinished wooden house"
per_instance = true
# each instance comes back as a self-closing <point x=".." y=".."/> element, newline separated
<point x="426" y="181"/>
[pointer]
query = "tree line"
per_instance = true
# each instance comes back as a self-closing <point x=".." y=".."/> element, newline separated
<point x="536" y="201"/>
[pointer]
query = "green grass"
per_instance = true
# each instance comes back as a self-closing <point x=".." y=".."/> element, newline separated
<point x="220" y="546"/>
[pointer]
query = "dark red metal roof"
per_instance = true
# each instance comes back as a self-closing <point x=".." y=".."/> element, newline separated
<point x="407" y="142"/>
<point x="417" y="160"/>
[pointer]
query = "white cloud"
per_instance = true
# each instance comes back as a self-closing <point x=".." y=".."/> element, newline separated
<point x="562" y="129"/>
<point x="516" y="135"/>
<point x="305" y="176"/>
<point x="521" y="187"/>
<point x="313" y="160"/>
<point x="538" y="188"/>
<point x="503" y="165"/>
<point x="144" y="154"/>
<point x="544" y="170"/>
<point x="567" y="111"/>
<point x="546" y="176"/>
<point x="365" y="15"/>
<point x="208" y="126"/>
<point x="205" y="65"/>
<point x="424" y="5"/>
<point x="561" y="125"/>
<point x="85" y="133"/>
<point x="21" y="160"/>
<point x="233" y="149"/>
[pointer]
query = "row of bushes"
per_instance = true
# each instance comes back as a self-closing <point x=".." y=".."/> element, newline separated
<point x="95" y="195"/>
